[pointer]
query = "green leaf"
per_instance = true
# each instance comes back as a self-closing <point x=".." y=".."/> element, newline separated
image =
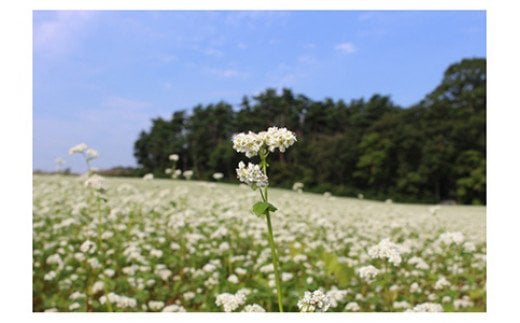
<point x="261" y="208"/>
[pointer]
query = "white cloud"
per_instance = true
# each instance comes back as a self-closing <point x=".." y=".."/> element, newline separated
<point x="346" y="48"/>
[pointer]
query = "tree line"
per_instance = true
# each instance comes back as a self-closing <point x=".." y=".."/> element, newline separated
<point x="432" y="151"/>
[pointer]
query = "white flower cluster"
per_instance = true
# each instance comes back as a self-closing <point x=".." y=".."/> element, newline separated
<point x="174" y="157"/>
<point x="251" y="175"/>
<point x="96" y="182"/>
<point x="187" y="174"/>
<point x="274" y="138"/>
<point x="92" y="154"/>
<point x="119" y="300"/>
<point x="386" y="249"/>
<point x="352" y="307"/>
<point x="148" y="177"/>
<point x="253" y="308"/>
<point x="88" y="247"/>
<point x="298" y="187"/>
<point x="78" y="149"/>
<point x="427" y="307"/>
<point x="448" y="238"/>
<point x="218" y="176"/>
<point x="316" y="301"/>
<point x="155" y="305"/>
<point x="174" y="308"/>
<point x="84" y="149"/>
<point x="229" y="301"/>
<point x="368" y="273"/>
<point x="441" y="283"/>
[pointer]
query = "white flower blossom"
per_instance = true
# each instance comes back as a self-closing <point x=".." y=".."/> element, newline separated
<point x="91" y="154"/>
<point x="279" y="138"/>
<point x="97" y="183"/>
<point x="148" y="177"/>
<point x="352" y="307"/>
<point x="173" y="157"/>
<point x="368" y="273"/>
<point x="427" y="307"/>
<point x="218" y="176"/>
<point x="274" y="138"/>
<point x="230" y="302"/>
<point x="251" y="175"/>
<point x="88" y="247"/>
<point x="386" y="249"/>
<point x="78" y="149"/>
<point x="315" y="301"/>
<point x="253" y="308"/>
<point x="174" y="308"/>
<point x="187" y="174"/>
<point x="155" y="305"/>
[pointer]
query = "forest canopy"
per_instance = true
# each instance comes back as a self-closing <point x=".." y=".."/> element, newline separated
<point x="432" y="151"/>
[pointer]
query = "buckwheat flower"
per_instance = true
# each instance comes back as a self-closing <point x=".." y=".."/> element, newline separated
<point x="188" y="174"/>
<point x="76" y="295"/>
<point x="173" y="157"/>
<point x="109" y="272"/>
<point x="251" y="175"/>
<point x="386" y="249"/>
<point x="279" y="138"/>
<point x="240" y="271"/>
<point x="53" y="309"/>
<point x="230" y="302"/>
<point x="287" y="276"/>
<point x="249" y="143"/>
<point x="336" y="295"/>
<point x="148" y="177"/>
<point x="297" y="187"/>
<point x="464" y="302"/>
<point x="78" y="149"/>
<point x="441" y="283"/>
<point x="97" y="183"/>
<point x="368" y="273"/>
<point x="98" y="287"/>
<point x="352" y="307"/>
<point x="253" y="308"/>
<point x="218" y="176"/>
<point x="176" y="173"/>
<point x="50" y="275"/>
<point x="414" y="288"/>
<point x="449" y="238"/>
<point x="233" y="279"/>
<point x="168" y="171"/>
<point x="427" y="307"/>
<point x="188" y="296"/>
<point x="402" y="305"/>
<point x="91" y="154"/>
<point x="74" y="306"/>
<point x="316" y="301"/>
<point x="155" y="305"/>
<point x="88" y="247"/>
<point x="174" y="308"/>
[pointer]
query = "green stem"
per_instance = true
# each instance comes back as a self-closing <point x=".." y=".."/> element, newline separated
<point x="263" y="162"/>
<point x="275" y="262"/>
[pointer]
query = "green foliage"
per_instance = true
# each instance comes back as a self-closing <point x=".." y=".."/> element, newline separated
<point x="261" y="208"/>
<point x="429" y="152"/>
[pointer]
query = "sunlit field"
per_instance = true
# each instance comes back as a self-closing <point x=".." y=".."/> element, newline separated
<point x="177" y="245"/>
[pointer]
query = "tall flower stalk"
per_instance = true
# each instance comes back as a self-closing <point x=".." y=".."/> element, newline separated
<point x="261" y="144"/>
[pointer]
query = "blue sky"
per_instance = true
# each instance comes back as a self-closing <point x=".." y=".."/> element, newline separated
<point x="100" y="76"/>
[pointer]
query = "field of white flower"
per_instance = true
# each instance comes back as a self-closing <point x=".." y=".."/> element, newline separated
<point x="173" y="245"/>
